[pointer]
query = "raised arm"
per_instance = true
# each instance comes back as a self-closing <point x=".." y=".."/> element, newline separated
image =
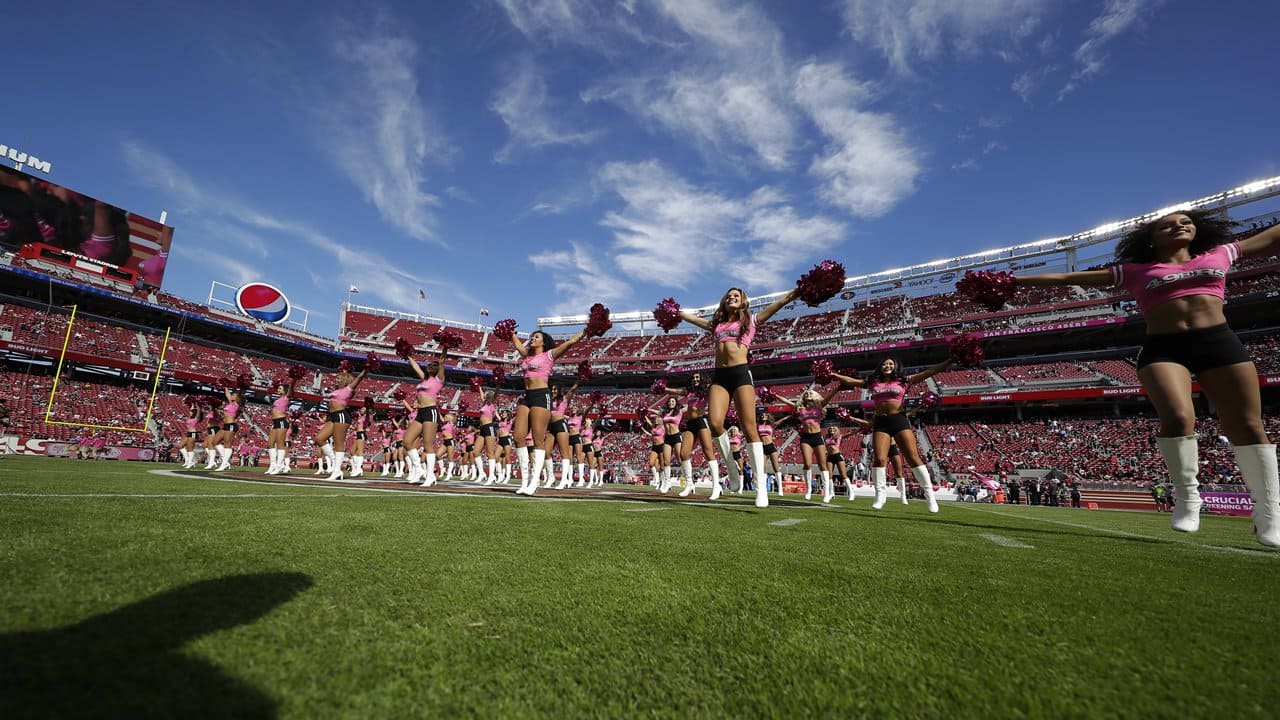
<point x="831" y="392"/>
<point x="848" y="381"/>
<point x="519" y="345"/>
<point x="356" y="382"/>
<point x="776" y="305"/>
<point x="929" y="372"/>
<point x="440" y="361"/>
<point x="560" y="349"/>
<point x="1083" y="278"/>
<point x="416" y="369"/>
<point x="693" y="319"/>
<point x="1264" y="243"/>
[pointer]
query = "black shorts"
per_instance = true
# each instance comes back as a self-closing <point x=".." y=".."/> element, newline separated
<point x="892" y="424"/>
<point x="813" y="440"/>
<point x="834" y="457"/>
<point x="893" y="450"/>
<point x="656" y="449"/>
<point x="489" y="430"/>
<point x="229" y="427"/>
<point x="448" y="442"/>
<point x="504" y="441"/>
<point x="769" y="449"/>
<point x="362" y="435"/>
<point x="672" y="439"/>
<point x="558" y="426"/>
<point x="212" y="430"/>
<point x="429" y="414"/>
<point x="470" y="449"/>
<point x="731" y="378"/>
<point x="340" y="417"/>
<point x="737" y="454"/>
<point x="539" y="398"/>
<point x="194" y="434"/>
<point x="575" y="439"/>
<point x="696" y="424"/>
<point x="280" y="423"/>
<point x="399" y="444"/>
<point x="1195" y="350"/>
<point x="588" y="449"/>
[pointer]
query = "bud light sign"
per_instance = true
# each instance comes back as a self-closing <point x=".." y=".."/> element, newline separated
<point x="262" y="302"/>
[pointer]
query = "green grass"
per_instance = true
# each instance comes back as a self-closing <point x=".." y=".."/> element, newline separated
<point x="260" y="600"/>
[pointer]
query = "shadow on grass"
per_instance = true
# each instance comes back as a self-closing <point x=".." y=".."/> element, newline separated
<point x="130" y="663"/>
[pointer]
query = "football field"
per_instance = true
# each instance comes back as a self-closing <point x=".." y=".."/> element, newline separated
<point x="131" y="592"/>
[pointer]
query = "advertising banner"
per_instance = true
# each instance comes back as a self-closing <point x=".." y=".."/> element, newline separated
<point x="1224" y="503"/>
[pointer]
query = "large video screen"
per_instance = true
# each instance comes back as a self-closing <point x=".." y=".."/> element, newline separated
<point x="57" y="230"/>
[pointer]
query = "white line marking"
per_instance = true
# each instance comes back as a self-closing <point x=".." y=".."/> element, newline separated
<point x="787" y="522"/>
<point x="1006" y="542"/>
<point x="1124" y="533"/>
<point x="645" y="509"/>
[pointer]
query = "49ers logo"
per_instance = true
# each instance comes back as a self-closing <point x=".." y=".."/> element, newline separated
<point x="1186" y="275"/>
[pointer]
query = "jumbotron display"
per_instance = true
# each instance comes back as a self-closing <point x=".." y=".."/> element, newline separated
<point x="57" y="230"/>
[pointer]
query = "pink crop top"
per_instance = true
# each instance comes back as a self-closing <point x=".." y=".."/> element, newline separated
<point x="1153" y="284"/>
<point x="192" y="424"/>
<point x="657" y="433"/>
<point x="560" y="408"/>
<point x="537" y="367"/>
<point x="728" y="332"/>
<point x="504" y="427"/>
<point x="340" y="396"/>
<point x="231" y="409"/>
<point x="587" y="433"/>
<point x="575" y="424"/>
<point x="894" y="391"/>
<point x="673" y="418"/>
<point x="810" y="414"/>
<point x="766" y="431"/>
<point x="735" y="441"/>
<point x="281" y="404"/>
<point x="430" y="387"/>
<point x="488" y="410"/>
<point x="210" y="418"/>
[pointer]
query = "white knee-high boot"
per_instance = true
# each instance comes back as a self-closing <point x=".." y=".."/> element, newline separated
<point x="566" y="475"/>
<point x="686" y="467"/>
<point x="808" y="483"/>
<point x="757" y="461"/>
<point x="878" y="475"/>
<point x="522" y="459"/>
<point x="902" y="490"/>
<point x="828" y="491"/>
<point x="926" y="484"/>
<point x="535" y="475"/>
<point x="1182" y="459"/>
<point x="1258" y="466"/>
<point x="730" y="465"/>
<point x="336" y="472"/>
<point x="582" y="475"/>
<point x="666" y="480"/>
<point x="714" y="467"/>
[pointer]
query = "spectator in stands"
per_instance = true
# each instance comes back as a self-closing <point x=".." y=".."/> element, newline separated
<point x="533" y="414"/>
<point x="1175" y="267"/>
<point x="888" y="386"/>
<point x="734" y="328"/>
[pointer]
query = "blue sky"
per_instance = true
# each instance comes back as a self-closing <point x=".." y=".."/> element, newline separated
<point x="535" y="157"/>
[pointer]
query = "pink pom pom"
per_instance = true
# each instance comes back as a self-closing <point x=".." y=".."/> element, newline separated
<point x="821" y="283"/>
<point x="477" y="385"/>
<point x="843" y="415"/>
<point x="641" y="410"/>
<point x="966" y="350"/>
<point x="584" y="371"/>
<point x="448" y="339"/>
<point x="404" y="348"/>
<point x="598" y="322"/>
<point x="667" y="314"/>
<point x="372" y="362"/>
<point x="822" y="371"/>
<point x="499" y="374"/>
<point x="989" y="289"/>
<point x="930" y="400"/>
<point x="505" y="329"/>
<point x="766" y="393"/>
<point x="659" y="386"/>
<point x="731" y="416"/>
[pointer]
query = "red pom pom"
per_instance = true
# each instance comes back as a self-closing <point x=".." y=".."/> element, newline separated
<point x="989" y="289"/>
<point x="372" y="362"/>
<point x="822" y="371"/>
<point x="398" y="394"/>
<point x="296" y="372"/>
<point x="766" y="393"/>
<point x="243" y="382"/>
<point x="731" y="417"/>
<point x="821" y="283"/>
<point x="667" y="314"/>
<point x="368" y="402"/>
<point x="344" y="366"/>
<point x="930" y="400"/>
<point x="220" y="384"/>
<point x="966" y="350"/>
<point x="843" y="415"/>
<point x="477" y="385"/>
<point x="448" y="339"/>
<point x="595" y="399"/>
<point x="584" y="371"/>
<point x="641" y="410"/>
<point x="505" y="329"/>
<point x="499" y="374"/>
<point x="659" y="386"/>
<point x="404" y="348"/>
<point x="598" y="322"/>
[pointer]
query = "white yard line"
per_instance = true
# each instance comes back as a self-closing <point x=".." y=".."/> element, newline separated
<point x="1122" y="533"/>
<point x="787" y="522"/>
<point x="1006" y="542"/>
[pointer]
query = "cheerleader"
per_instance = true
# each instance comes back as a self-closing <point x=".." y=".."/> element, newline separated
<point x="888" y="386"/>
<point x="533" y="414"/>
<point x="188" y="448"/>
<point x="425" y="420"/>
<point x="337" y="421"/>
<point x="399" y="453"/>
<point x="734" y="327"/>
<point x="362" y="416"/>
<point x="765" y="424"/>
<point x="277" y="451"/>
<point x="696" y="429"/>
<point x="590" y="453"/>
<point x="558" y="432"/>
<point x="469" y="456"/>
<point x="810" y="411"/>
<point x="504" y="445"/>
<point x="650" y="422"/>
<point x="735" y="452"/>
<point x="388" y="449"/>
<point x="227" y="436"/>
<point x="596" y="444"/>
<point x="835" y="458"/>
<point x="672" y="418"/>
<point x="212" y="430"/>
<point x="488" y="438"/>
<point x="448" y="452"/>
<point x="1175" y="267"/>
<point x="575" y="444"/>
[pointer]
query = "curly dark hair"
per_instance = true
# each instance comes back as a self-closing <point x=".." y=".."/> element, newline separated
<point x="876" y="377"/>
<point x="1212" y="229"/>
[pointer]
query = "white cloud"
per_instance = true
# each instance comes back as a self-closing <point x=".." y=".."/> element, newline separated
<point x="582" y="277"/>
<point x="869" y="164"/>
<point x="674" y="234"/>
<point x="531" y="121"/>
<point x="1116" y="18"/>
<point x="906" y="32"/>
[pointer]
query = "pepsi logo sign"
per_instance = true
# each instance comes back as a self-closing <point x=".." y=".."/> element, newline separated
<point x="262" y="302"/>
